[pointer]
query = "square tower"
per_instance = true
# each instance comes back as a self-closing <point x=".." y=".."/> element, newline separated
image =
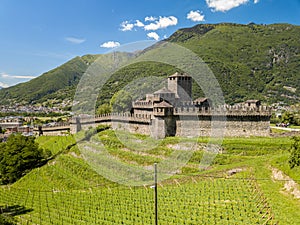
<point x="181" y="85"/>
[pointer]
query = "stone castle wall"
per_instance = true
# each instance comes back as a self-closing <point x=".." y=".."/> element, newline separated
<point x="188" y="122"/>
<point x="134" y="124"/>
<point x="232" y="127"/>
<point x="138" y="128"/>
<point x="57" y="130"/>
<point x="229" y="121"/>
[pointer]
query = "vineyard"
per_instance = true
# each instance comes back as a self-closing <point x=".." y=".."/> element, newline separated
<point x="68" y="191"/>
<point x="196" y="201"/>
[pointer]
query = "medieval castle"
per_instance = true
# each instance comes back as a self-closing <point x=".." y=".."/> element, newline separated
<point x="171" y="111"/>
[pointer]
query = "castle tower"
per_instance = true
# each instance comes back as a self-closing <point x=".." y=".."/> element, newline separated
<point x="181" y="85"/>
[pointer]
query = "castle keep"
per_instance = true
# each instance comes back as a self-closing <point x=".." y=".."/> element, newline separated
<point x="171" y="111"/>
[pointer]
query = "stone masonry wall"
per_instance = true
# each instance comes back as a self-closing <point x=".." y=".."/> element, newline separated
<point x="126" y="123"/>
<point x="233" y="127"/>
<point x="138" y="128"/>
<point x="186" y="124"/>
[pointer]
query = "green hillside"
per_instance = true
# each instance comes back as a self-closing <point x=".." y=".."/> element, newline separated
<point x="250" y="62"/>
<point x="57" y="83"/>
<point x="68" y="191"/>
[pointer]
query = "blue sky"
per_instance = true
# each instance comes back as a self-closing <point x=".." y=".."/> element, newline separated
<point x="39" y="35"/>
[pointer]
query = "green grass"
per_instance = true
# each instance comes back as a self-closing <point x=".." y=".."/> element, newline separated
<point x="68" y="191"/>
<point x="278" y="131"/>
<point x="281" y="162"/>
<point x="66" y="172"/>
<point x="284" y="206"/>
<point x="55" y="144"/>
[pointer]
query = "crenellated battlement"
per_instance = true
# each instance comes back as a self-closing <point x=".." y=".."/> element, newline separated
<point x="238" y="111"/>
<point x="125" y="117"/>
<point x="142" y="104"/>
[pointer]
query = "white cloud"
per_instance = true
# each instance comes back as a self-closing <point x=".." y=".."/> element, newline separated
<point x="156" y="23"/>
<point x="162" y="22"/>
<point x="5" y="75"/>
<point x="3" y="85"/>
<point x="256" y="1"/>
<point x="74" y="40"/>
<point x="126" y="26"/>
<point x="195" y="16"/>
<point x="6" y="80"/>
<point x="138" y="23"/>
<point x="225" y="5"/>
<point x="153" y="35"/>
<point x="110" y="44"/>
<point x="150" y="18"/>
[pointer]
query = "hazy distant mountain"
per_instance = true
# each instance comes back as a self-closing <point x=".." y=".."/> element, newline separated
<point x="249" y="61"/>
<point x="65" y="76"/>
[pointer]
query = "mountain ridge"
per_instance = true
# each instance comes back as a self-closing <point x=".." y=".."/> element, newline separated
<point x="250" y="62"/>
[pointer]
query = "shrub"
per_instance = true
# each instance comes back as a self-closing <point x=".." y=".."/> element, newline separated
<point x="6" y="220"/>
<point x="294" y="159"/>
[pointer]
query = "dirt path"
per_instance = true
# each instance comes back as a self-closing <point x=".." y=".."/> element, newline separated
<point x="286" y="128"/>
<point x="290" y="186"/>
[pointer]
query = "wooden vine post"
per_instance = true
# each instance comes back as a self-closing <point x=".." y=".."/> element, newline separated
<point x="155" y="194"/>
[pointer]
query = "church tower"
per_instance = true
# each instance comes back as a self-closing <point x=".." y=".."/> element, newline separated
<point x="181" y="85"/>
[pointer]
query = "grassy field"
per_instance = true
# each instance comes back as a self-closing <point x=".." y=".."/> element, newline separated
<point x="68" y="191"/>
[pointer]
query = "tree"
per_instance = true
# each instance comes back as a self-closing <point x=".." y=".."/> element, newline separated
<point x="288" y="117"/>
<point x="2" y="131"/>
<point x="294" y="159"/>
<point x="18" y="156"/>
<point x="104" y="109"/>
<point x="121" y="101"/>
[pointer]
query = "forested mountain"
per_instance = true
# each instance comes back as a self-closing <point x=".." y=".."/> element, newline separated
<point x="250" y="62"/>
<point x="49" y="84"/>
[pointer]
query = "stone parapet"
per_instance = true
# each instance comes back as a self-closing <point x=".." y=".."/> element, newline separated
<point x="55" y="130"/>
<point x="125" y="117"/>
<point x="143" y="104"/>
<point x="223" y="111"/>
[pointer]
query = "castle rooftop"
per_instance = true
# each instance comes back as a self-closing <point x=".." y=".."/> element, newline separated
<point x="164" y="90"/>
<point x="163" y="104"/>
<point x="201" y="100"/>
